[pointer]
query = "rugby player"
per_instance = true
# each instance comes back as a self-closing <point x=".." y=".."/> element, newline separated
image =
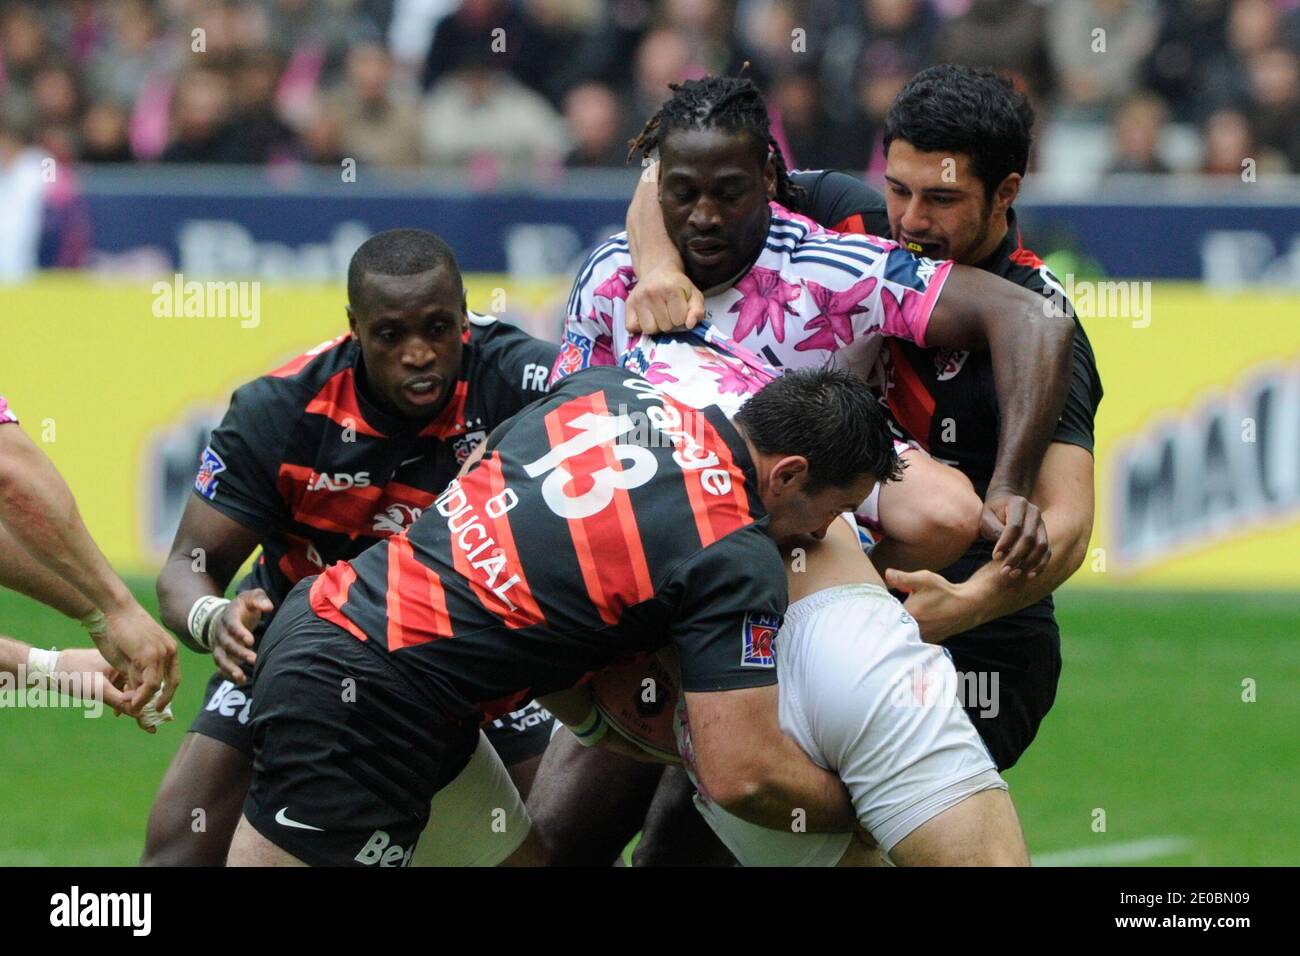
<point x="604" y="520"/>
<point x="46" y="553"/>
<point x="781" y="293"/>
<point x="314" y="462"/>
<point x="957" y="146"/>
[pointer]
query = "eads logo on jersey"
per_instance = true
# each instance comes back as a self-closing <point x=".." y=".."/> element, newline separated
<point x="465" y="444"/>
<point x="575" y="353"/>
<point x="210" y="465"/>
<point x="758" y="639"/>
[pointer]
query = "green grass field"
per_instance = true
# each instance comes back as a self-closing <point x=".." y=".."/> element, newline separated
<point x="1149" y="727"/>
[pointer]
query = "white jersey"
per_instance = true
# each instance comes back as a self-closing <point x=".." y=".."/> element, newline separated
<point x="809" y="293"/>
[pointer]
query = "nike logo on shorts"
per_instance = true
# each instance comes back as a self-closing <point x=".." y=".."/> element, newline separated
<point x="284" y="821"/>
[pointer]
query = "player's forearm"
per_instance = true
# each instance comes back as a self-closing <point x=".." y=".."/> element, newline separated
<point x="989" y="595"/>
<point x="40" y="513"/>
<point x="21" y="572"/>
<point x="793" y="792"/>
<point x="1031" y="370"/>
<point x="179" y="586"/>
<point x="13" y="655"/>
<point x="647" y="239"/>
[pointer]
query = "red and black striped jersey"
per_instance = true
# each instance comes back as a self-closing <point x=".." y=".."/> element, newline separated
<point x="605" y="520"/>
<point x="305" y="459"/>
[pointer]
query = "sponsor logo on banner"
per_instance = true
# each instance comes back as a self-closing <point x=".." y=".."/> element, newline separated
<point x="1214" y="472"/>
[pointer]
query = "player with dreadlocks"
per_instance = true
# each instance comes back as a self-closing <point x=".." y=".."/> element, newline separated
<point x="780" y="293"/>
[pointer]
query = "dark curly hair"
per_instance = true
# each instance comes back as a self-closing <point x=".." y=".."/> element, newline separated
<point x="728" y="103"/>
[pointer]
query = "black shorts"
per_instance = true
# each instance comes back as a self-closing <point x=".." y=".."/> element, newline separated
<point x="349" y="750"/>
<point x="226" y="707"/>
<point x="1023" y="653"/>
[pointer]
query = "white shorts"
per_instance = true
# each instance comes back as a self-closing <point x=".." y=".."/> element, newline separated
<point x="866" y="698"/>
<point x="476" y="820"/>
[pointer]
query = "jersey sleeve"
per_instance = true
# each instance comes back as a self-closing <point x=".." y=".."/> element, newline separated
<point x="1078" y="416"/>
<point x="588" y="339"/>
<point x="841" y="202"/>
<point x="518" y="363"/>
<point x="238" y="469"/>
<point x="734" y="599"/>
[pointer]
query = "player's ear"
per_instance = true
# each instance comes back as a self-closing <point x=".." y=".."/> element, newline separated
<point x="352" y="319"/>
<point x="769" y="178"/>
<point x="1007" y="192"/>
<point x="788" y="474"/>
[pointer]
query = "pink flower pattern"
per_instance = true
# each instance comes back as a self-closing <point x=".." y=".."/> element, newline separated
<point x="735" y="379"/>
<point x="833" y="323"/>
<point x="764" y="297"/>
<point x="618" y="285"/>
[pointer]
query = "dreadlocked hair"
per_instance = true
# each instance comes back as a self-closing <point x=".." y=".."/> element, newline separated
<point x="729" y="103"/>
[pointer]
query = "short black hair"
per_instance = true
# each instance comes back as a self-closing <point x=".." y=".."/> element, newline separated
<point x="399" y="252"/>
<point x="961" y="109"/>
<point x="732" y="104"/>
<point x="828" y="416"/>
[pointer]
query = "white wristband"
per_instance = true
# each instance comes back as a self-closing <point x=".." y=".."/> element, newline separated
<point x="41" y="664"/>
<point x="202" y="615"/>
<point x="592" y="728"/>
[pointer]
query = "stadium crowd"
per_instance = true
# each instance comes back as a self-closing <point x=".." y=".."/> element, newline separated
<point x="503" y="87"/>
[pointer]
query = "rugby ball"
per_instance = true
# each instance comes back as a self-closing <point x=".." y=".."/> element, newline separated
<point x="638" y="699"/>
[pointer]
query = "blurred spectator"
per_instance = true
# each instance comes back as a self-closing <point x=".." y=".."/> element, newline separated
<point x="1188" y="51"/>
<point x="104" y="134"/>
<point x="1136" y="131"/>
<point x="662" y="58"/>
<point x="378" y="117"/>
<point x="22" y="192"/>
<point x="262" y="136"/>
<point x="533" y="40"/>
<point x="1275" y="101"/>
<point x="1004" y="35"/>
<point x="1229" y="143"/>
<point x="479" y="116"/>
<point x="809" y="134"/>
<point x="594" y="116"/>
<point x="1099" y="48"/>
<point x="200" y="123"/>
<point x="24" y="47"/>
<point x="130" y="51"/>
<point x="891" y="36"/>
<point x="705" y="25"/>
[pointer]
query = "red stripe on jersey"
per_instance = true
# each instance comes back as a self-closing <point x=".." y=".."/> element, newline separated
<point x="621" y="576"/>
<point x="1024" y="257"/>
<point x="909" y="399"/>
<point x="294" y="366"/>
<point x="853" y="223"/>
<point x="329" y="593"/>
<point x="337" y="401"/>
<point x="417" y="604"/>
<point x="449" y="420"/>
<point x="297" y="561"/>
<point x="716" y="516"/>
<point x="483" y="549"/>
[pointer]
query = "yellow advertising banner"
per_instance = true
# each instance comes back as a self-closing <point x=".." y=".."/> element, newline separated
<point x="1198" y="436"/>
